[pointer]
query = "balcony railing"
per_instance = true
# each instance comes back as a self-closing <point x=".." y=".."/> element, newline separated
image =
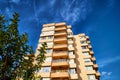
<point x="60" y="60"/>
<point x="97" y="74"/>
<point x="57" y="46"/>
<point x="60" y="75"/>
<point x="56" y="71"/>
<point x="60" y="33"/>
<point x="59" y="52"/>
<point x="60" y="28"/>
<point x="60" y="39"/>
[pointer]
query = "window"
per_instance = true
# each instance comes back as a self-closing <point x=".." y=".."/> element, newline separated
<point x="43" y="38"/>
<point x="50" y="37"/>
<point x="72" y="71"/>
<point x="45" y="78"/>
<point x="48" y="32"/>
<point x="69" y="39"/>
<point x="82" y="42"/>
<point x="87" y="60"/>
<point x="70" y="52"/>
<point x="70" y="45"/>
<point x="84" y="47"/>
<point x="48" y="59"/>
<point x="52" y="27"/>
<point x="49" y="50"/>
<point x="89" y="68"/>
<point x="69" y="30"/>
<point x="45" y="28"/>
<point x="85" y="53"/>
<point x="71" y="61"/>
<point x="37" y="70"/>
<point x="82" y="37"/>
<point x="91" y="77"/>
<point x="49" y="43"/>
<point x="70" y="34"/>
<point x="46" y="69"/>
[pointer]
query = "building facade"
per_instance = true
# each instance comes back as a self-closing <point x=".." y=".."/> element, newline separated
<point x="68" y="56"/>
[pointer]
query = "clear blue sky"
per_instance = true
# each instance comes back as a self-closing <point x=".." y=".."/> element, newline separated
<point x="99" y="19"/>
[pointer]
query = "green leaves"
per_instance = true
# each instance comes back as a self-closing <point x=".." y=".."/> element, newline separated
<point x="17" y="58"/>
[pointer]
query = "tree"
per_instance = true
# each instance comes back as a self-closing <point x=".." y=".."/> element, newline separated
<point x="16" y="56"/>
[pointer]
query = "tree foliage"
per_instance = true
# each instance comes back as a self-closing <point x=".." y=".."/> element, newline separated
<point x="17" y="58"/>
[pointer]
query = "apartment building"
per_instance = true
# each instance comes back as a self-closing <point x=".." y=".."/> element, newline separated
<point x="68" y="57"/>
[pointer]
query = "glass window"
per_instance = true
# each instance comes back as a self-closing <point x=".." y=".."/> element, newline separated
<point x="84" y="47"/>
<point x="89" y="68"/>
<point x="71" y="61"/>
<point x="72" y="71"/>
<point x="85" y="53"/>
<point x="45" y="28"/>
<point x="70" y="34"/>
<point x="69" y="39"/>
<point x="50" y="37"/>
<point x="48" y="32"/>
<point x="68" y="30"/>
<point x="46" y="69"/>
<point x="49" y="43"/>
<point x="82" y="42"/>
<point x="48" y="59"/>
<point x="70" y="52"/>
<point x="87" y="60"/>
<point x="70" y="45"/>
<point x="45" y="78"/>
<point x="52" y="27"/>
<point x="91" y="77"/>
<point x="49" y="50"/>
<point x="82" y="37"/>
<point x="43" y="38"/>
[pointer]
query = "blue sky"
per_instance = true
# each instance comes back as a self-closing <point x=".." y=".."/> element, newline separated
<point x="99" y="19"/>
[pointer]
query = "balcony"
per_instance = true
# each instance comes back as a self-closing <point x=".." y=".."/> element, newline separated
<point x="48" y="54"/>
<point x="89" y="46"/>
<point x="48" y="28"/>
<point x="72" y="65"/>
<point x="88" y="42"/>
<point x="97" y="74"/>
<point x="60" y="62"/>
<point x="60" y="46"/>
<point x="85" y="50"/>
<point x="71" y="48"/>
<point x="60" y="33"/>
<point x="68" y="27"/>
<point x="60" y="28"/>
<point x="74" y="76"/>
<point x="93" y="59"/>
<point x="91" y="52"/>
<point x="42" y="74"/>
<point x="60" y="74"/>
<point x="87" y="37"/>
<point x="60" y="54"/>
<point x="47" y="25"/>
<point x="60" y="24"/>
<point x="70" y="36"/>
<point x="87" y="56"/>
<point x="72" y="56"/>
<point x="60" y="40"/>
<point x="91" y="72"/>
<point x="95" y="66"/>
<point x="46" y="64"/>
<point x="84" y="44"/>
<point x="88" y="63"/>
